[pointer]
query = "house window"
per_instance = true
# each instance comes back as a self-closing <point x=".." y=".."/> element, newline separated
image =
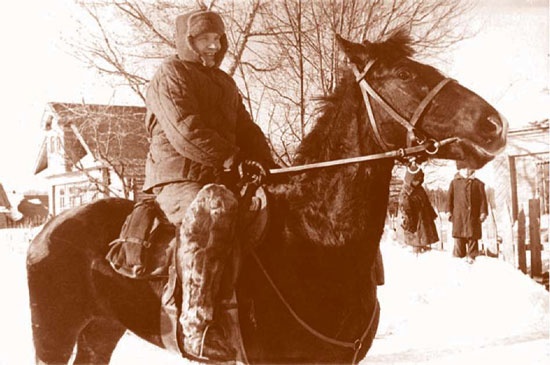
<point x="74" y="195"/>
<point x="54" y="145"/>
<point x="51" y="145"/>
<point x="62" y="202"/>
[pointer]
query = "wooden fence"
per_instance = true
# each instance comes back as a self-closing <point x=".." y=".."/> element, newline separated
<point x="529" y="240"/>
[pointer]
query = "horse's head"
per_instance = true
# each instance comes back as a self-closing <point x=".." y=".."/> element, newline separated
<point x="409" y="99"/>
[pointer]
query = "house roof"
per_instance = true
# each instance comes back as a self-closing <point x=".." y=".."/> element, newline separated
<point x="107" y="132"/>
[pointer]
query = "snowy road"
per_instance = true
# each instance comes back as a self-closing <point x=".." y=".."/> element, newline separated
<point x="435" y="310"/>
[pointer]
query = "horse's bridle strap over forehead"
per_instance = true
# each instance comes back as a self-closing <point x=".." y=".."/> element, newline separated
<point x="368" y="91"/>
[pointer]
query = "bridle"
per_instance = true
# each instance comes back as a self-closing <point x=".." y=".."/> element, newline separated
<point x="414" y="135"/>
<point x="417" y="141"/>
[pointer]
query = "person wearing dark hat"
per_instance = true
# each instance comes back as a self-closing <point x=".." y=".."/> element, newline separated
<point x="467" y="207"/>
<point x="199" y="129"/>
<point x="417" y="213"/>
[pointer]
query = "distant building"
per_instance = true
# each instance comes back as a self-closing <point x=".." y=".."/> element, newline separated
<point x="34" y="210"/>
<point x="91" y="151"/>
<point x="27" y="210"/>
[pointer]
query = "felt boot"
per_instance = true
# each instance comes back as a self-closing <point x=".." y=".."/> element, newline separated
<point x="206" y="236"/>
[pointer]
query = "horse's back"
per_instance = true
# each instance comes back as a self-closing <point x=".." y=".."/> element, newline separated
<point x="89" y="226"/>
<point x="60" y="257"/>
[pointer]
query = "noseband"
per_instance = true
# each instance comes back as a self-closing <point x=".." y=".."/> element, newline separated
<point x="413" y="134"/>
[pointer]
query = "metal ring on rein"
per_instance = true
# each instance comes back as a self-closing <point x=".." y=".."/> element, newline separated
<point x="432" y="147"/>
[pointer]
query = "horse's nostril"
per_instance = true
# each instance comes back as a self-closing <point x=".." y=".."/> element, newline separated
<point x="492" y="125"/>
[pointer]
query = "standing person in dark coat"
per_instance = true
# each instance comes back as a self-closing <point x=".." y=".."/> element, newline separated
<point x="417" y="213"/>
<point x="467" y="207"/>
<point x="199" y="128"/>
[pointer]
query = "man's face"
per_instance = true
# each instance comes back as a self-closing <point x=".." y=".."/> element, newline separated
<point x="207" y="45"/>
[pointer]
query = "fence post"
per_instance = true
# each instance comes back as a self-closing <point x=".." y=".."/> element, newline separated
<point x="522" y="260"/>
<point x="534" y="237"/>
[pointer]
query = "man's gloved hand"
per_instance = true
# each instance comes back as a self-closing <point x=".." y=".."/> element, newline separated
<point x="253" y="171"/>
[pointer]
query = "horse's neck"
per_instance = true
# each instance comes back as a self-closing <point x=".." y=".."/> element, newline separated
<point x="326" y="241"/>
<point x="347" y="207"/>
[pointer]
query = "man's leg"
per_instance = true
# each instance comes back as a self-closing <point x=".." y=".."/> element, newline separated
<point x="207" y="215"/>
<point x="459" y="249"/>
<point x="473" y="248"/>
<point x="207" y="236"/>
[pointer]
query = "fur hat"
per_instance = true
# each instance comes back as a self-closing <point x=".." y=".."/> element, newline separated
<point x="204" y="22"/>
<point x="194" y="23"/>
<point x="417" y="176"/>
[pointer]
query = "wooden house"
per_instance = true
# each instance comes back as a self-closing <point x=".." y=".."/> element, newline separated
<point x="91" y="151"/>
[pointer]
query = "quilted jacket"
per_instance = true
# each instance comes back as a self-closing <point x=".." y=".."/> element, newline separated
<point x="196" y="121"/>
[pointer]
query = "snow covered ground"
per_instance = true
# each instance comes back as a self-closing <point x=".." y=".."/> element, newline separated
<point x="435" y="310"/>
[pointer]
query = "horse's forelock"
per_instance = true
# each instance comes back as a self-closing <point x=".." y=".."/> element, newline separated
<point x="397" y="45"/>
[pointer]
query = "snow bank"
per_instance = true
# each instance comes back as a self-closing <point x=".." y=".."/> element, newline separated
<point x="433" y="301"/>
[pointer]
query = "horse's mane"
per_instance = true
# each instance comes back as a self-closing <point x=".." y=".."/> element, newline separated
<point x="327" y="140"/>
<point x="335" y="109"/>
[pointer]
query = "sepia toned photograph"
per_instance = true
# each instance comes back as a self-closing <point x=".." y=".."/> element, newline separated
<point x="275" y="182"/>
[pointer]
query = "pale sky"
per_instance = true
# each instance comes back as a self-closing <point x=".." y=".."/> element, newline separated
<point x="507" y="63"/>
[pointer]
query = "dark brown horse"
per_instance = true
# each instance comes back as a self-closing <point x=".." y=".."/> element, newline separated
<point x="311" y="295"/>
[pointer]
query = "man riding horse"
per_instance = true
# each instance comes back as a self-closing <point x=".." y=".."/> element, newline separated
<point x="307" y="293"/>
<point x="199" y="128"/>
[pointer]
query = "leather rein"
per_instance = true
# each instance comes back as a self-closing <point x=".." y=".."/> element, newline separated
<point x="414" y="136"/>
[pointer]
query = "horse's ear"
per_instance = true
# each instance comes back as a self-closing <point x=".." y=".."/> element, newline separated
<point x="355" y="52"/>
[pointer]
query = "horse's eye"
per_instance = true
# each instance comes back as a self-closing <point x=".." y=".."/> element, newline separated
<point x="404" y="74"/>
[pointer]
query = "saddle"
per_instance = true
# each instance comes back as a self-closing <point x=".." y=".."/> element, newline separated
<point x="144" y="247"/>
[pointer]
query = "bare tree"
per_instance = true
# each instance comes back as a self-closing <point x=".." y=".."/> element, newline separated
<point x="281" y="52"/>
<point x="108" y="140"/>
<point x="295" y="43"/>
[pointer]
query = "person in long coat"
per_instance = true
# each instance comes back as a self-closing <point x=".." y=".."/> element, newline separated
<point x="417" y="213"/>
<point x="467" y="207"/>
